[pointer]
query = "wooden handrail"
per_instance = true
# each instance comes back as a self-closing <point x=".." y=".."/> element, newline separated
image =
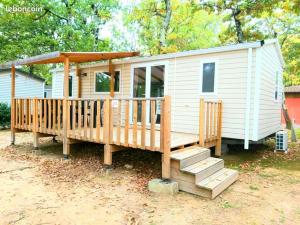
<point x="210" y="124"/>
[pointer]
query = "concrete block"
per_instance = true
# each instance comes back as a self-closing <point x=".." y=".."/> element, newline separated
<point x="163" y="186"/>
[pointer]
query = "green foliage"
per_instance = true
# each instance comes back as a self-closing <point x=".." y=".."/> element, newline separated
<point x="4" y="115"/>
<point x="63" y="25"/>
<point x="189" y="28"/>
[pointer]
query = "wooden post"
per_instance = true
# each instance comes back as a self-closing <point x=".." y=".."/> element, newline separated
<point x="218" y="150"/>
<point x="107" y="155"/>
<point x="66" y="144"/>
<point x="112" y="79"/>
<point x="35" y="124"/>
<point x="166" y="117"/>
<point x="201" y="123"/>
<point x="35" y="140"/>
<point x="78" y="81"/>
<point x="13" y="105"/>
<point x="107" y="133"/>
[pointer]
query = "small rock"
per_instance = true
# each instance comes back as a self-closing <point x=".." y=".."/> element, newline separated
<point x="127" y="166"/>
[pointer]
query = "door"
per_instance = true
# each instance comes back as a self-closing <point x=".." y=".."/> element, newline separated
<point x="148" y="81"/>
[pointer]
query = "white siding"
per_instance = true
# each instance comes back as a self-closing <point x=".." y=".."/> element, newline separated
<point x="183" y="85"/>
<point x="25" y="87"/>
<point x="58" y="84"/>
<point x="269" y="108"/>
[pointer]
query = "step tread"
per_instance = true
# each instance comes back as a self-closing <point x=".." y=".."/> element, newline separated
<point x="217" y="179"/>
<point x="201" y="165"/>
<point x="187" y="152"/>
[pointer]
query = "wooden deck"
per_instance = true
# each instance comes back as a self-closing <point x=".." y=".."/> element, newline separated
<point x="177" y="139"/>
<point x="116" y="122"/>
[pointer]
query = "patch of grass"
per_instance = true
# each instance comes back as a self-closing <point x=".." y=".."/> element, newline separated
<point x="282" y="217"/>
<point x="297" y="131"/>
<point x="263" y="156"/>
<point x="293" y="180"/>
<point x="253" y="188"/>
<point x="226" y="205"/>
<point x="267" y="175"/>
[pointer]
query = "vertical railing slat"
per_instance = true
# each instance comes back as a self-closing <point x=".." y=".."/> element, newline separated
<point x="80" y="118"/>
<point x="98" y="120"/>
<point x="59" y="116"/>
<point x="135" y="112"/>
<point x="40" y="114"/>
<point x="126" y="135"/>
<point x="22" y="113"/>
<point x="91" y="120"/>
<point x="85" y="119"/>
<point x="74" y="118"/>
<point x="54" y="101"/>
<point x="201" y="122"/>
<point x="143" y="121"/>
<point x="153" y="121"/>
<point x="119" y="122"/>
<point x="45" y="115"/>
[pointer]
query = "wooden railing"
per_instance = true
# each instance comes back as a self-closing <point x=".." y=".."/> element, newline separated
<point x="86" y="119"/>
<point x="131" y="122"/>
<point x="138" y="122"/>
<point x="210" y="124"/>
<point x="24" y="114"/>
<point x="39" y="115"/>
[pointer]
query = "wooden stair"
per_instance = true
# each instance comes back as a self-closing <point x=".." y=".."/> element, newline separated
<point x="198" y="173"/>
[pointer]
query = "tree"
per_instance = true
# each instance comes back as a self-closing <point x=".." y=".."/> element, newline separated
<point x="237" y="13"/>
<point x="171" y="26"/>
<point x="63" y="25"/>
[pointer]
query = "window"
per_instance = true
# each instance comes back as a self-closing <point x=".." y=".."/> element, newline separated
<point x="148" y="81"/>
<point x="70" y="86"/>
<point x="102" y="82"/>
<point x="208" y="77"/>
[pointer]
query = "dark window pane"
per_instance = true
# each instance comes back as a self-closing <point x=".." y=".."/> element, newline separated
<point x="70" y="86"/>
<point x="117" y="81"/>
<point x="157" y="81"/>
<point x="157" y="87"/>
<point x="139" y="87"/>
<point x="102" y="82"/>
<point x="208" y="77"/>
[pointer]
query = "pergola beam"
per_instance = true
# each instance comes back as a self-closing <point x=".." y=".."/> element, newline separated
<point x="74" y="57"/>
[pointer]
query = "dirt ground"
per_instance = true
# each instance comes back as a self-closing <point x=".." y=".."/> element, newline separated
<point x="38" y="187"/>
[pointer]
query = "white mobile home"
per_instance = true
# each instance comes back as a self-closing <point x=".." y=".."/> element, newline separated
<point x="27" y="85"/>
<point x="247" y="78"/>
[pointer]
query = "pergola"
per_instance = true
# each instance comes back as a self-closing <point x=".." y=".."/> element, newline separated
<point x="66" y="58"/>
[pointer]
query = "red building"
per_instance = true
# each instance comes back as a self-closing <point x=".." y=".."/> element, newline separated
<point x="292" y="101"/>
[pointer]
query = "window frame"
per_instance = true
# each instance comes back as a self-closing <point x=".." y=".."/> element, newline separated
<point x="202" y="62"/>
<point x="107" y="92"/>
<point x="148" y="66"/>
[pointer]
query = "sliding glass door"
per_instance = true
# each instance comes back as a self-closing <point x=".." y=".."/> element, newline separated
<point x="148" y="81"/>
<point x="139" y="87"/>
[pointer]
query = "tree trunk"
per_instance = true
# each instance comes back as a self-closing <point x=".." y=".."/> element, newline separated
<point x="166" y="23"/>
<point x="238" y="26"/>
